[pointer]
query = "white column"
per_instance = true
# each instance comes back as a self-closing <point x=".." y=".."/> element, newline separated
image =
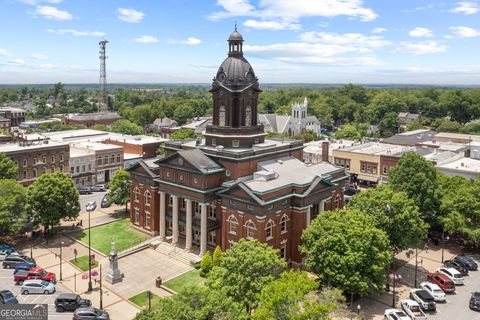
<point x="175" y="220"/>
<point x="188" y="238"/>
<point x="203" y="229"/>
<point x="322" y="206"/>
<point x="309" y="214"/>
<point x="162" y="215"/>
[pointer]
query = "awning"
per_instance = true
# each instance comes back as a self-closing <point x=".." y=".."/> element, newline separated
<point x="367" y="178"/>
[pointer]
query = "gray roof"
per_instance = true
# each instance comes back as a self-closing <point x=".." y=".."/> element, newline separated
<point x="275" y="122"/>
<point x="235" y="36"/>
<point x="235" y="68"/>
<point x="167" y="122"/>
<point x="199" y="160"/>
<point x="95" y="117"/>
<point x="406" y="139"/>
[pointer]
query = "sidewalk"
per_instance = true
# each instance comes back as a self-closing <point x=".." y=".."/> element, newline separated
<point x="97" y="217"/>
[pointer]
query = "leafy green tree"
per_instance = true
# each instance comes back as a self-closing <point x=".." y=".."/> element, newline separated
<point x="389" y="124"/>
<point x="183" y="113"/>
<point x="245" y="270"/>
<point x="347" y="251"/>
<point x="348" y="132"/>
<point x="183" y="134"/>
<point x="449" y="126"/>
<point x="51" y="198"/>
<point x="207" y="263"/>
<point x="13" y="213"/>
<point x="119" y="188"/>
<point x="101" y="127"/>
<point x="161" y="150"/>
<point x="143" y="115"/>
<point x="414" y="126"/>
<point x="194" y="303"/>
<point x="217" y="256"/>
<point x="8" y="169"/>
<point x="457" y="104"/>
<point x="418" y="179"/>
<point x="126" y="127"/>
<point x="395" y="213"/>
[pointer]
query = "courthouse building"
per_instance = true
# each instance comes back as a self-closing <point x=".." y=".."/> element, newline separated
<point x="234" y="183"/>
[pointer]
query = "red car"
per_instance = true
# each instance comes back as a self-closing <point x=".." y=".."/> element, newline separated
<point x="34" y="273"/>
<point x="442" y="281"/>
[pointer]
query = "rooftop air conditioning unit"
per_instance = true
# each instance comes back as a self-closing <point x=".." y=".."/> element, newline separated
<point x="264" y="175"/>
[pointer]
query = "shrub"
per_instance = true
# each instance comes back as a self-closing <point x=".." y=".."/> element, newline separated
<point x="207" y="263"/>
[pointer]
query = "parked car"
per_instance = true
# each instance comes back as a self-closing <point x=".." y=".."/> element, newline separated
<point x="99" y="188"/>
<point x="350" y="191"/>
<point x="447" y="285"/>
<point x="105" y="203"/>
<point x="413" y="310"/>
<point x="6" y="247"/>
<point x="394" y="314"/>
<point x="7" y="297"/>
<point x="474" y="303"/>
<point x="424" y="299"/>
<point x="35" y="273"/>
<point x="434" y="290"/>
<point x="70" y="302"/>
<point x="12" y="260"/>
<point x="37" y="286"/>
<point x="457" y="265"/>
<point x="472" y="265"/>
<point x="453" y="274"/>
<point x="23" y="266"/>
<point x="5" y="253"/>
<point x="84" y="190"/>
<point x="88" y="313"/>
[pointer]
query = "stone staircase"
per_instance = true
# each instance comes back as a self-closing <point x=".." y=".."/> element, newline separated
<point x="176" y="253"/>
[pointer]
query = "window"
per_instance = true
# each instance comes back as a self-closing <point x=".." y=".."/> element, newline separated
<point x="183" y="204"/>
<point x="34" y="161"/>
<point x="170" y="201"/>
<point x="368" y="167"/>
<point x="16" y="163"/>
<point x="24" y="174"/>
<point x="168" y="174"/>
<point x="385" y="170"/>
<point x="212" y="237"/>
<point x="214" y="142"/>
<point x="197" y="208"/>
<point x="112" y="158"/>
<point x="44" y="159"/>
<point x="221" y="117"/>
<point x="269" y="230"/>
<point x="136" y="218"/>
<point x="105" y="160"/>
<point x="147" y="219"/>
<point x="283" y="250"/>
<point x="180" y="177"/>
<point x="52" y="168"/>
<point x="136" y="194"/>
<point x="195" y="180"/>
<point x="25" y="162"/>
<point x="44" y="169"/>
<point x="250" y="226"/>
<point x="148" y="197"/>
<point x="283" y="224"/>
<point x="89" y="167"/>
<point x="248" y="116"/>
<point x="235" y="143"/>
<point x="180" y="161"/>
<point x="211" y="212"/>
<point x="337" y="202"/>
<point x="61" y="156"/>
<point x="232" y="224"/>
<point x="119" y="157"/>
<point x="61" y="168"/>
<point x="78" y="169"/>
<point x="83" y="168"/>
<point x="53" y="158"/>
<point x="34" y="173"/>
<point x="99" y="161"/>
<point x="345" y="163"/>
<point x="72" y="170"/>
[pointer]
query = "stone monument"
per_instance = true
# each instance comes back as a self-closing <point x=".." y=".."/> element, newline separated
<point x="113" y="274"/>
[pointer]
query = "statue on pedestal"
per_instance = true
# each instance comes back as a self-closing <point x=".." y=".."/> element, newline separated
<point x="113" y="274"/>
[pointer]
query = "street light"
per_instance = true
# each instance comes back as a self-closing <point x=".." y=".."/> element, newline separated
<point x="394" y="281"/>
<point x="61" y="247"/>
<point x="101" y="290"/>
<point x="443" y="243"/>
<point x="91" y="206"/>
<point x="358" y="308"/>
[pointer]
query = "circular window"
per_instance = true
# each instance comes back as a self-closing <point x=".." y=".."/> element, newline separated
<point x="228" y="173"/>
<point x="181" y="177"/>
<point x="195" y="180"/>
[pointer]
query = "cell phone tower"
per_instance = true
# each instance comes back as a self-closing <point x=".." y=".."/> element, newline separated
<point x="102" y="100"/>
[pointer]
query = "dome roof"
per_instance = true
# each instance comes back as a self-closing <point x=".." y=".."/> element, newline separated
<point x="236" y="69"/>
<point x="235" y="36"/>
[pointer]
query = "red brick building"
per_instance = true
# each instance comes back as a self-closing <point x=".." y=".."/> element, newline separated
<point x="235" y="183"/>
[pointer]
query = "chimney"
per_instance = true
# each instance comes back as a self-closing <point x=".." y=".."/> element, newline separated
<point x="325" y="150"/>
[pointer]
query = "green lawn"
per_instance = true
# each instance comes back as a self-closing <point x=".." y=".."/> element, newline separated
<point x="82" y="263"/>
<point x="141" y="299"/>
<point x="187" y="279"/>
<point x="119" y="231"/>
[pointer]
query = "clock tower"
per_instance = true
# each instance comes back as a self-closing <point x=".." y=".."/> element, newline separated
<point x="235" y="92"/>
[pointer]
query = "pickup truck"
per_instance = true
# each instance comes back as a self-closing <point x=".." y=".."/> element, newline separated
<point x="34" y="273"/>
<point x="412" y="309"/>
<point x="424" y="299"/>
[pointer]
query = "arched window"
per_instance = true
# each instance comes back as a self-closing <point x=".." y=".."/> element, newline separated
<point x="24" y="162"/>
<point x="283" y="224"/>
<point x="148" y="197"/>
<point x="53" y="158"/>
<point x="61" y="156"/>
<point x="44" y="169"/>
<point x="248" y="116"/>
<point x="136" y="194"/>
<point x="61" y="168"/>
<point x="250" y="229"/>
<point x="232" y="224"/>
<point x="34" y="173"/>
<point x="269" y="229"/>
<point x="221" y="117"/>
<point x="52" y="168"/>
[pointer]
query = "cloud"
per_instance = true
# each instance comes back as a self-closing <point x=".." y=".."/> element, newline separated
<point x="466" y="7"/>
<point x="52" y="13"/>
<point x="38" y="56"/>
<point x="379" y="30"/>
<point x="420" y="48"/>
<point x="14" y="62"/>
<point x="293" y="10"/>
<point x="77" y="33"/>
<point x="190" y="41"/>
<point x="130" y="15"/>
<point x="465" y="32"/>
<point x="44" y="66"/>
<point x="146" y="39"/>
<point x="5" y="52"/>
<point x="421" y="32"/>
<point x="272" y="25"/>
<point x="35" y="2"/>
<point x="354" y="40"/>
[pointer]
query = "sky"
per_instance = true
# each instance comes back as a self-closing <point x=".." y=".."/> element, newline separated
<point x="286" y="41"/>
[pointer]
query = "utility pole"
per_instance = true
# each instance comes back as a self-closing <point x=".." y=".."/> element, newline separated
<point x="102" y="99"/>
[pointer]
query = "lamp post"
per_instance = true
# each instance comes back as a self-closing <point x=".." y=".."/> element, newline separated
<point x="443" y="244"/>
<point x="91" y="206"/>
<point x="358" y="308"/>
<point x="416" y="265"/>
<point x="394" y="282"/>
<point x="61" y="247"/>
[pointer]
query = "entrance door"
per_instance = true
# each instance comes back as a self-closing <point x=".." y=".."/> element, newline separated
<point x="107" y="175"/>
<point x="196" y="235"/>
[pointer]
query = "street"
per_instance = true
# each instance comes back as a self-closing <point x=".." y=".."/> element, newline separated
<point x="85" y="198"/>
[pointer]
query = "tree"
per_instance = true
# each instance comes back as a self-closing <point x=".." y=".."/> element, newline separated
<point x="449" y="126"/>
<point x="347" y="251"/>
<point x="389" y="124"/>
<point x="348" y="132"/>
<point x="401" y="222"/>
<point x="13" y="213"/>
<point x="126" y="127"/>
<point x="418" y="179"/>
<point x="217" y="256"/>
<point x="101" y="127"/>
<point x="120" y="188"/>
<point x="8" y="169"/>
<point x="245" y="270"/>
<point x="183" y="113"/>
<point x="183" y="134"/>
<point x="194" y="303"/>
<point x="206" y="264"/>
<point x="51" y="198"/>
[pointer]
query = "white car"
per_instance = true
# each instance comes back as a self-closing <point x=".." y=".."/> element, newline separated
<point x="37" y="286"/>
<point x="434" y="290"/>
<point x="452" y="274"/>
<point x="395" y="314"/>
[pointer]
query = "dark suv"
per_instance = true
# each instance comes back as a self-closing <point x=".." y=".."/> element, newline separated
<point x="7" y="297"/>
<point x="457" y="265"/>
<point x="11" y="261"/>
<point x="70" y="302"/>
<point x="468" y="261"/>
